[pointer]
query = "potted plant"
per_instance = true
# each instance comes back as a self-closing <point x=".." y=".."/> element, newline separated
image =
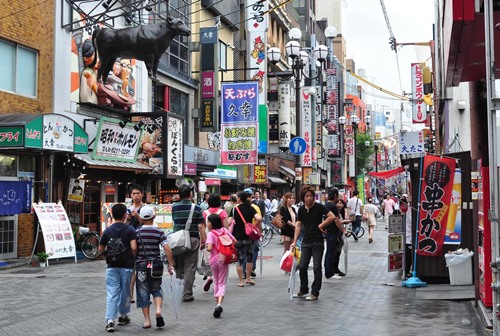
<point x="42" y="258"/>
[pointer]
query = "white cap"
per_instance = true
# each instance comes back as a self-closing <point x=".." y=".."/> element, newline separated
<point x="147" y="213"/>
<point x="404" y="195"/>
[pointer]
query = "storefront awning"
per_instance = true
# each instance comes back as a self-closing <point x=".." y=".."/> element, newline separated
<point x="276" y="180"/>
<point x="287" y="171"/>
<point x="114" y="165"/>
<point x="388" y="173"/>
<point x="50" y="131"/>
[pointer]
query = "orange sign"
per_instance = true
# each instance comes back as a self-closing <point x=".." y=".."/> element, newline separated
<point x="259" y="174"/>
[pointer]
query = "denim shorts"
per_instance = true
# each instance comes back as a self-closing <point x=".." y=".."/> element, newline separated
<point x="146" y="286"/>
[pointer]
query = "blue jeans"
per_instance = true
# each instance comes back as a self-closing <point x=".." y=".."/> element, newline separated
<point x="117" y="291"/>
<point x="356" y="226"/>
<point x="332" y="254"/>
<point x="146" y="286"/>
<point x="308" y="250"/>
<point x="256" y="248"/>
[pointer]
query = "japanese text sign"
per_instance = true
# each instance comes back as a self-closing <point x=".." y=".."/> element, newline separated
<point x="306" y="159"/>
<point x="208" y="35"/>
<point x="411" y="143"/>
<point x="240" y="102"/>
<point x="259" y="174"/>
<point x="435" y="195"/>
<point x="175" y="147"/>
<point x="239" y="144"/>
<point x="207" y="84"/>
<point x="116" y="143"/>
<point x="419" y="109"/>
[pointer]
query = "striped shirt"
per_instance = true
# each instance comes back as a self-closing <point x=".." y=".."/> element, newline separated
<point x="180" y="215"/>
<point x="149" y="239"/>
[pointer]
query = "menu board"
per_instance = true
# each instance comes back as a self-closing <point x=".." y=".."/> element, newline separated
<point x="56" y="230"/>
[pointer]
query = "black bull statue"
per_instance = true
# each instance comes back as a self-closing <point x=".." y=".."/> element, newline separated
<point x="146" y="43"/>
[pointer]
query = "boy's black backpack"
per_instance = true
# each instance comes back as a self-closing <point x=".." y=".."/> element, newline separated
<point x="116" y="253"/>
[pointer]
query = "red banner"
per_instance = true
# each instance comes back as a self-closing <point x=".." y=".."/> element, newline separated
<point x="435" y="196"/>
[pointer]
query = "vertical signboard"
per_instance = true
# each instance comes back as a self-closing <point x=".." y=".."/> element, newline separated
<point x="256" y="27"/>
<point x="306" y="123"/>
<point x="419" y="109"/>
<point x="332" y="113"/>
<point x="284" y="114"/>
<point x="175" y="146"/>
<point x="437" y="186"/>
<point x="239" y="132"/>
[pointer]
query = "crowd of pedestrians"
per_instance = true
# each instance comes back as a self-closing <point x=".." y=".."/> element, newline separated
<point x="307" y="225"/>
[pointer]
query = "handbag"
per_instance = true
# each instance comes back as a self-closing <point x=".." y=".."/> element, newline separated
<point x="278" y="220"/>
<point x="250" y="230"/>
<point x="180" y="241"/>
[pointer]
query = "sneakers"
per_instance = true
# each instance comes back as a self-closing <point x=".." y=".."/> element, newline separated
<point x="311" y="297"/>
<point x="188" y="299"/>
<point x="299" y="295"/>
<point x="342" y="274"/>
<point x="110" y="327"/>
<point x="122" y="320"/>
<point x="208" y="283"/>
<point x="218" y="310"/>
<point x="253" y="275"/>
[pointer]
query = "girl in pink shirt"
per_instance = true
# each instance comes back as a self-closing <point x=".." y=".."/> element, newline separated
<point x="219" y="271"/>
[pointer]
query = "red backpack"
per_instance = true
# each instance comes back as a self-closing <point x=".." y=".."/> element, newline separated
<point x="226" y="248"/>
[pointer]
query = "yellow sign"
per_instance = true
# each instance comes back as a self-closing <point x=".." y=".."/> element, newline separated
<point x="260" y="173"/>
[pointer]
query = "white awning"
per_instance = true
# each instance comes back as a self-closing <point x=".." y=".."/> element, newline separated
<point x="287" y="171"/>
<point x="276" y="180"/>
<point x="115" y="165"/>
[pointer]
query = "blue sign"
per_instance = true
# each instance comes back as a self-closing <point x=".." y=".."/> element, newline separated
<point x="240" y="102"/>
<point x="15" y="197"/>
<point x="297" y="146"/>
<point x="208" y="35"/>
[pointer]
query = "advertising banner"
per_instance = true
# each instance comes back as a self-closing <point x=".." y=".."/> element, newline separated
<point x="175" y="146"/>
<point x="454" y="223"/>
<point x="239" y="130"/>
<point x="56" y="229"/>
<point x="306" y="125"/>
<point x="284" y="114"/>
<point x="419" y="109"/>
<point x="76" y="190"/>
<point x="116" y="143"/>
<point x="15" y="197"/>
<point x="151" y="144"/>
<point x="260" y="174"/>
<point x="435" y="195"/>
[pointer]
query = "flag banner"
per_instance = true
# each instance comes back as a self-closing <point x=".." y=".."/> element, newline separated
<point x="435" y="196"/>
<point x="15" y="197"/>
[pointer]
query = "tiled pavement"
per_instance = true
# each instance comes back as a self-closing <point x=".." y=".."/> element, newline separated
<point x="69" y="299"/>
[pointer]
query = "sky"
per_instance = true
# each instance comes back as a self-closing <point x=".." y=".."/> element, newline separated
<point x="367" y="39"/>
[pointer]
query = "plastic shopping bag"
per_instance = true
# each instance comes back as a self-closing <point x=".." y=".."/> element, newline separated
<point x="287" y="261"/>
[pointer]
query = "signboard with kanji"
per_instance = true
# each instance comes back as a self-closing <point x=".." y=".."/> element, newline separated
<point x="175" y="146"/>
<point x="116" y="143"/>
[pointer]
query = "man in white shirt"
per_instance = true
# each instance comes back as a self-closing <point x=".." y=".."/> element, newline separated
<point x="355" y="208"/>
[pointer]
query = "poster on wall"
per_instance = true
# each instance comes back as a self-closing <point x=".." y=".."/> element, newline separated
<point x="56" y="230"/>
<point x="151" y="145"/>
<point x="76" y="190"/>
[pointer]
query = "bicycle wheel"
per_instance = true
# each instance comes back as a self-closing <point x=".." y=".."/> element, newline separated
<point x="90" y="245"/>
<point x="267" y="235"/>
<point x="361" y="231"/>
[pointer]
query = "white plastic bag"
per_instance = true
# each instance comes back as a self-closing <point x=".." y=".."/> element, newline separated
<point x="456" y="259"/>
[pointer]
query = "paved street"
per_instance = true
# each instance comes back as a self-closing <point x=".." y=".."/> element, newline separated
<point x="69" y="299"/>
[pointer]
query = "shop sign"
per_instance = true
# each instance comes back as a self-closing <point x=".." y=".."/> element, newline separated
<point x="190" y="168"/>
<point x="306" y="159"/>
<point x="203" y="156"/>
<point x="208" y="35"/>
<point x="207" y="85"/>
<point x="260" y="174"/>
<point x="419" y="108"/>
<point x="11" y="136"/>
<point x="175" y="146"/>
<point x="212" y="182"/>
<point x="151" y="144"/>
<point x="207" y="114"/>
<point x="228" y="172"/>
<point x="239" y="129"/>
<point x="411" y="142"/>
<point x="116" y="143"/>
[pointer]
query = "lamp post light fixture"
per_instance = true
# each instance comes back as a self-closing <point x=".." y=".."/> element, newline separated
<point x="300" y="58"/>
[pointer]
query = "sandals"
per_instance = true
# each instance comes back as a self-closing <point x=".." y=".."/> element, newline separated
<point x="240" y="285"/>
<point x="250" y="282"/>
<point x="145" y="326"/>
<point x="160" y="323"/>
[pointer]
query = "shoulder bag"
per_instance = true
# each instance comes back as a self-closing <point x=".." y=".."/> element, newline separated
<point x="180" y="241"/>
<point x="278" y="220"/>
<point x="155" y="265"/>
<point x="250" y="230"/>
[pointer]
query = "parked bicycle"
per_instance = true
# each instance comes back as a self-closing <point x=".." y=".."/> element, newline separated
<point x="268" y="232"/>
<point x="348" y="228"/>
<point x="89" y="243"/>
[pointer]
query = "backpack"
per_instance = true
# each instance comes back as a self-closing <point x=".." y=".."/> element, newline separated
<point x="226" y="249"/>
<point x="116" y="252"/>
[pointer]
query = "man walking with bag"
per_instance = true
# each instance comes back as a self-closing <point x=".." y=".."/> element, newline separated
<point x="185" y="263"/>
<point x="355" y="209"/>
<point x="150" y="266"/>
<point x="120" y="239"/>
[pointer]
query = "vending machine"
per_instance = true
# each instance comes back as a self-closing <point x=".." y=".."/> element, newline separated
<point x="484" y="236"/>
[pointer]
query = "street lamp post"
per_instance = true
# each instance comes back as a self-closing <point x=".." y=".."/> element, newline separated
<point x="342" y="121"/>
<point x="299" y="59"/>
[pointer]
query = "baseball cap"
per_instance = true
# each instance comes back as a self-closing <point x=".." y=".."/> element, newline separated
<point x="248" y="191"/>
<point x="404" y="195"/>
<point x="147" y="213"/>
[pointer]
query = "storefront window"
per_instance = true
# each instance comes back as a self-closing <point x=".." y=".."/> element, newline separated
<point x="8" y="165"/>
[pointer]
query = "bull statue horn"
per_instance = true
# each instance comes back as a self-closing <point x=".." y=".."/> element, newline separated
<point x="170" y="19"/>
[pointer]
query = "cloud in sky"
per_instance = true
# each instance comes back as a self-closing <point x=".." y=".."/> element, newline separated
<point x="367" y="39"/>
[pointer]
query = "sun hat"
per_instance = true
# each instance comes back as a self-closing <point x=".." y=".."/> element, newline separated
<point x="147" y="213"/>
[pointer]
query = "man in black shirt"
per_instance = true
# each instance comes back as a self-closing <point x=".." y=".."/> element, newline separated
<point x="310" y="215"/>
<point x="333" y="238"/>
